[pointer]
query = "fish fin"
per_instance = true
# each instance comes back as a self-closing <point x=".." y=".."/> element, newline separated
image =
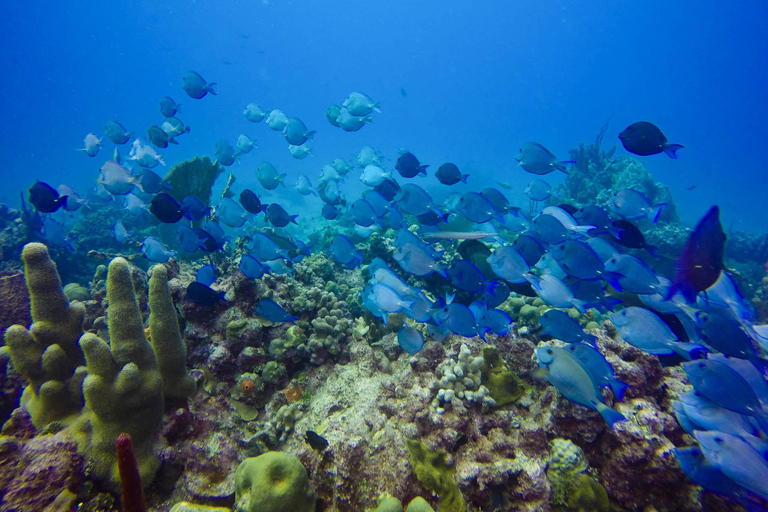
<point x="656" y="211"/>
<point x="209" y="88"/>
<point x="490" y="287"/>
<point x="423" y="169"/>
<point x="612" y="278"/>
<point x="292" y="218"/>
<point x="449" y="298"/>
<point x="292" y="319"/>
<point x="583" y="230"/>
<point x="652" y="250"/>
<point x="463" y="178"/>
<point x="375" y="107"/>
<point x="670" y="149"/>
<point x="178" y="108"/>
<point x="172" y="140"/>
<point x="367" y="120"/>
<point x="689" y="351"/>
<point x="384" y="317"/>
<point x="610" y="416"/>
<point x="618" y="388"/>
<point x="440" y="269"/>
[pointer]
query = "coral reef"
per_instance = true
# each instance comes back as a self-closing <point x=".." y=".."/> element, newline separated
<point x="274" y="481"/>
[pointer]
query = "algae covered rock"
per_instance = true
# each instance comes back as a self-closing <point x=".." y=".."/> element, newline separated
<point x="419" y="504"/>
<point x="274" y="482"/>
<point x="573" y="489"/>
<point x="435" y="474"/>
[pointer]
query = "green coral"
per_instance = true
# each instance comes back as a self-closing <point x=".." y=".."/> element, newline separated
<point x="435" y="474"/>
<point x="273" y="372"/>
<point x="73" y="291"/>
<point x="193" y="177"/>
<point x="573" y="490"/>
<point x="274" y="482"/>
<point x="122" y="384"/>
<point x="389" y="503"/>
<point x="504" y="385"/>
<point x="48" y="354"/>
<point x="419" y="504"/>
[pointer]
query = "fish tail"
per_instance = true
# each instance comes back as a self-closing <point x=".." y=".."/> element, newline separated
<point x="464" y="178"/>
<point x="652" y="250"/>
<point x="618" y="388"/>
<point x="656" y="211"/>
<point x="670" y="149"/>
<point x="610" y="416"/>
<point x="613" y="279"/>
<point x="311" y="135"/>
<point x="209" y="88"/>
<point x="689" y="351"/>
<point x="367" y="120"/>
<point x="376" y="106"/>
<point x="423" y="169"/>
<point x="292" y="218"/>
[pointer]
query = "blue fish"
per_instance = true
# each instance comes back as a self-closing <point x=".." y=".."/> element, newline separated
<point x="251" y="267"/>
<point x="496" y="320"/>
<point x="414" y="200"/>
<point x="433" y="218"/>
<point x="121" y="234"/>
<point x="700" y="263"/>
<point x="554" y="292"/>
<point x="498" y="200"/>
<point x="193" y="208"/>
<point x="574" y="381"/>
<point x="529" y="247"/>
<point x="467" y="277"/>
<point x="736" y="459"/>
<point x="411" y="340"/>
<point x="644" y="329"/>
<point x="509" y="264"/>
<point x="707" y="415"/>
<point x="329" y="211"/>
<point x="634" y="275"/>
<point x="477" y="208"/>
<point x="549" y="229"/>
<point x="278" y="217"/>
<point x="216" y="232"/>
<point x="580" y="261"/>
<point x="459" y="319"/>
<point x="388" y="299"/>
<point x="562" y="326"/>
<point x="206" y="241"/>
<point x="363" y="214"/>
<point x="377" y="201"/>
<point x="206" y="275"/>
<point x="272" y="311"/>
<point x="437" y="333"/>
<point x="371" y="305"/>
<point x="187" y="238"/>
<point x="726" y="336"/>
<point x="343" y="251"/>
<point x="631" y="204"/>
<point x="154" y="250"/>
<point x="598" y="367"/>
<point x="203" y="295"/>
<point x="264" y="248"/>
<point x="393" y="220"/>
<point x="417" y="261"/>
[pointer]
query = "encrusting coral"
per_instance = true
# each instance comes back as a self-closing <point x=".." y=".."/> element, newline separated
<point x="274" y="482"/>
<point x="122" y="384"/>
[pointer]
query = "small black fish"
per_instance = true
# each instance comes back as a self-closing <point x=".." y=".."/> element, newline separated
<point x="165" y="208"/>
<point x="45" y="199"/>
<point x="691" y="187"/>
<point x="317" y="442"/>
<point x="644" y="138"/>
<point x="569" y="208"/>
<point x="432" y="218"/>
<point x="449" y="174"/>
<point x="626" y="234"/>
<point x="251" y="202"/>
<point x="408" y="166"/>
<point x="206" y="242"/>
<point x="701" y="262"/>
<point x="203" y="295"/>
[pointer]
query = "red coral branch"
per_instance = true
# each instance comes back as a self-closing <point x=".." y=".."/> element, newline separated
<point x="133" y="492"/>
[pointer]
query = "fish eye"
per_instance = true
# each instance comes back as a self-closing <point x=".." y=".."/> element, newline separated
<point x="701" y="365"/>
<point x="549" y="351"/>
<point x="719" y="440"/>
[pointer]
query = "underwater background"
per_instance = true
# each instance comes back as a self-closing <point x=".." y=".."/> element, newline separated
<point x="362" y="332"/>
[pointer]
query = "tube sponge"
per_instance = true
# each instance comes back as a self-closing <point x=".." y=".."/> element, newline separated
<point x="48" y="354"/>
<point x="273" y="481"/>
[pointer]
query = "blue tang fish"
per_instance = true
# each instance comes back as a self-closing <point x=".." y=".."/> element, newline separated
<point x="562" y="326"/>
<point x="272" y="311"/>
<point x="411" y="340"/>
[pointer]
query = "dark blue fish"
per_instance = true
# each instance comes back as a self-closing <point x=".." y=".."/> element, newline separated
<point x="317" y="442"/>
<point x="343" y="251"/>
<point x="265" y="248"/>
<point x="388" y="188"/>
<point x="467" y="277"/>
<point x="45" y="199"/>
<point x="196" y="86"/>
<point x="592" y="215"/>
<point x="433" y="218"/>
<point x="599" y="368"/>
<point x="476" y="208"/>
<point x="168" y="107"/>
<point x="188" y="238"/>
<point x="580" y="261"/>
<point x="414" y="200"/>
<point x="150" y="182"/>
<point x="378" y="202"/>
<point x="459" y="319"/>
<point x="207" y="275"/>
<point x="499" y="202"/>
<point x="272" y="311"/>
<point x="449" y="174"/>
<point x="727" y="336"/>
<point x="278" y="217"/>
<point x="437" y="333"/>
<point x="206" y="241"/>
<point x="165" y="208"/>
<point x="363" y="214"/>
<point x="549" y="229"/>
<point x="193" y="208"/>
<point x="394" y="220"/>
<point x="700" y="263"/>
<point x="216" y="232"/>
<point x="495" y="320"/>
<point x="562" y="326"/>
<point x="628" y="235"/>
<point x="329" y="211"/>
<point x="250" y="202"/>
<point x="202" y="295"/>
<point x="644" y="139"/>
<point x="411" y="340"/>
<point x="408" y="166"/>
<point x="529" y="247"/>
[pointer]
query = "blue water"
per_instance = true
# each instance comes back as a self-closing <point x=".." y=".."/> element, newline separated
<point x="481" y="79"/>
